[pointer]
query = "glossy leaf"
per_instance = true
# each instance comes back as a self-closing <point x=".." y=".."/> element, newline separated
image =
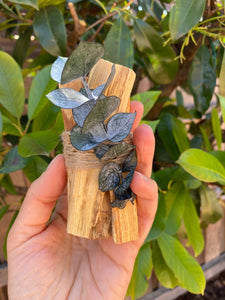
<point x="118" y="44"/>
<point x="192" y="225"/>
<point x="159" y="59"/>
<point x="81" y="61"/>
<point x="32" y="3"/>
<point x="141" y="273"/>
<point x="130" y="162"/>
<point x="152" y="124"/>
<point x="184" y="15"/>
<point x="208" y="146"/>
<point x="41" y="85"/>
<point x="119" y="126"/>
<point x="81" y="112"/>
<point x="202" y="79"/>
<point x="222" y="79"/>
<point x="13" y="161"/>
<point x="222" y="104"/>
<point x="216" y="128"/>
<point x="186" y="268"/>
<point x="84" y="141"/>
<point x="50" y="29"/>
<point x="35" y="168"/>
<point x="202" y="165"/>
<point x="57" y="68"/>
<point x="148" y="99"/>
<point x="8" y="185"/>
<point x="116" y="150"/>
<point x="1" y="128"/>
<point x="11" y="85"/>
<point x="38" y="143"/>
<point x="66" y="98"/>
<point x="180" y="134"/>
<point x="220" y="155"/>
<point x="44" y="3"/>
<point x="109" y="176"/>
<point x="211" y="209"/>
<point x="163" y="273"/>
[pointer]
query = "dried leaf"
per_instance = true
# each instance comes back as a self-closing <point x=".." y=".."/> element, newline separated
<point x="123" y="191"/>
<point x="109" y="177"/>
<point x="81" y="61"/>
<point x="116" y="150"/>
<point x="81" y="141"/>
<point x="81" y="112"/>
<point x="57" y="68"/>
<point x="119" y="203"/>
<point x="120" y="125"/>
<point x="101" y="149"/>
<point x="130" y="162"/>
<point x="66" y="98"/>
<point x="109" y="80"/>
<point x="98" y="91"/>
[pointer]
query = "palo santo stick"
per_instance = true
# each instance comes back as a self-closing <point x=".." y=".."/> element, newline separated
<point x="124" y="221"/>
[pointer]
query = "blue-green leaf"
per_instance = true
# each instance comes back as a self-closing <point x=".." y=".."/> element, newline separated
<point x="57" y="68"/>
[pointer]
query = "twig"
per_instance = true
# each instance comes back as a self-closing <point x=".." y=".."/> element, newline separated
<point x="101" y="20"/>
<point x="78" y="26"/>
<point x="96" y="32"/>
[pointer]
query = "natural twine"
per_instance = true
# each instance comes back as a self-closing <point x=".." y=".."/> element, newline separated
<point x="75" y="159"/>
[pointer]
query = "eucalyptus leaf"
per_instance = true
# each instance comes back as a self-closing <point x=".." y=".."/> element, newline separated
<point x="66" y="98"/>
<point x="119" y="126"/>
<point x="81" y="61"/>
<point x="116" y="150"/>
<point x="57" y="68"/>
<point x="81" y="112"/>
<point x="119" y="203"/>
<point x="82" y="141"/>
<point x="109" y="176"/>
<point x="109" y="79"/>
<point x="123" y="191"/>
<point x="101" y="149"/>
<point x="98" y="91"/>
<point x="130" y="162"/>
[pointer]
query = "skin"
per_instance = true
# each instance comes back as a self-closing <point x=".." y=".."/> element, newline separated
<point x="44" y="262"/>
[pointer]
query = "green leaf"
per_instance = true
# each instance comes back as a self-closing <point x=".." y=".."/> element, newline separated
<point x="38" y="143"/>
<point x="180" y="134"/>
<point x="141" y="273"/>
<point x="148" y="99"/>
<point x="1" y="129"/>
<point x="202" y="165"/>
<point x="32" y="3"/>
<point x="222" y="79"/>
<point x="50" y="29"/>
<point x="220" y="155"/>
<point x="118" y="44"/>
<point x="159" y="59"/>
<point x="211" y="210"/>
<point x="202" y="78"/>
<point x="174" y="200"/>
<point x="9" y="127"/>
<point x="163" y="273"/>
<point x="8" y="185"/>
<point x="192" y="225"/>
<point x="44" y="3"/>
<point x="186" y="268"/>
<point x="152" y="124"/>
<point x="184" y="15"/>
<point x="208" y="146"/>
<point x="35" y="168"/>
<point x="13" y="161"/>
<point x="41" y="85"/>
<point x="3" y="211"/>
<point x="216" y="128"/>
<point x="81" y="61"/>
<point x="7" y="232"/>
<point x="222" y="104"/>
<point x="11" y="85"/>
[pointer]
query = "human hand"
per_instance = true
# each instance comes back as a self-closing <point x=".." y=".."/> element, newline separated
<point x="45" y="262"/>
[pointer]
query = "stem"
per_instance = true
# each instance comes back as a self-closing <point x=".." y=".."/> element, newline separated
<point x="210" y="20"/>
<point x="102" y="20"/>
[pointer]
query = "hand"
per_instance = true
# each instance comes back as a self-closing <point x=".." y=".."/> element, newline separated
<point x="44" y="262"/>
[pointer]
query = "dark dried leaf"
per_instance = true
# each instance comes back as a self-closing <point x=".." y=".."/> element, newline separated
<point x="119" y="126"/>
<point x="81" y="61"/>
<point x="109" y="177"/>
<point x="80" y="141"/>
<point x="119" y="203"/>
<point x="57" y="68"/>
<point x="123" y="191"/>
<point x="66" y="98"/>
<point x="116" y="150"/>
<point x="130" y="162"/>
<point x="101" y="149"/>
<point x="109" y="80"/>
<point x="80" y="113"/>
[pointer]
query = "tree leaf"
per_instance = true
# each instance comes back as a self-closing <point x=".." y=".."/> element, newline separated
<point x="8" y="185"/>
<point x="66" y="98"/>
<point x="216" y="128"/>
<point x="141" y="273"/>
<point x="40" y="86"/>
<point x="57" y="68"/>
<point x="82" y="141"/>
<point x="202" y="78"/>
<point x="50" y="29"/>
<point x="1" y="129"/>
<point x="148" y="99"/>
<point x="81" y="61"/>
<point x="211" y="210"/>
<point x="192" y="225"/>
<point x="184" y="15"/>
<point x="159" y="59"/>
<point x="13" y="161"/>
<point x="32" y="3"/>
<point x="202" y="165"/>
<point x="109" y="176"/>
<point x="44" y="3"/>
<point x="130" y="162"/>
<point x="35" y="168"/>
<point x="11" y="85"/>
<point x="222" y="104"/>
<point x="222" y="80"/>
<point x="208" y="146"/>
<point x="3" y="211"/>
<point x="38" y="143"/>
<point x="180" y="134"/>
<point x="118" y="44"/>
<point x="220" y="155"/>
<point x="163" y="273"/>
<point x="119" y="126"/>
<point x="186" y="268"/>
<point x="152" y="124"/>
<point x="116" y="150"/>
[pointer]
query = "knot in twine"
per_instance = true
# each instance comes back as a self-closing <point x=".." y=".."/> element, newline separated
<point x="75" y="159"/>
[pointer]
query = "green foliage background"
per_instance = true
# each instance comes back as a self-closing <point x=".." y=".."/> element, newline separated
<point x="179" y="46"/>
